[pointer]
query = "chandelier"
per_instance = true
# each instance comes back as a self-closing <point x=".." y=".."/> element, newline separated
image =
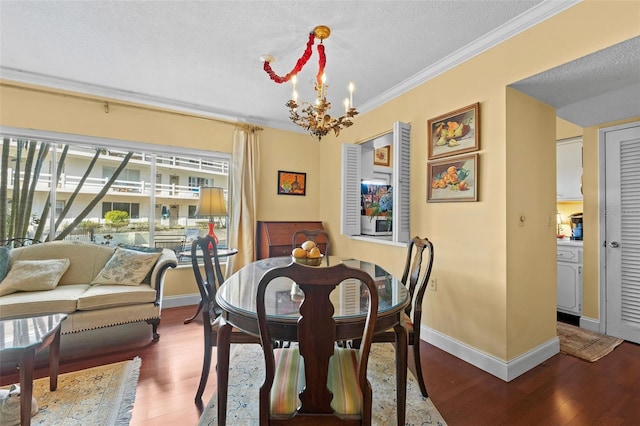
<point x="315" y="117"/>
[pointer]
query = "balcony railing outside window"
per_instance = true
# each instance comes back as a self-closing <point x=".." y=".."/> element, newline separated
<point x="163" y="199"/>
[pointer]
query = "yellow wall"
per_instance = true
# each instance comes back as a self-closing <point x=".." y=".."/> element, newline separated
<point x="280" y="150"/>
<point x="565" y="130"/>
<point x="180" y="281"/>
<point x="488" y="268"/>
<point x="482" y="291"/>
<point x="531" y="223"/>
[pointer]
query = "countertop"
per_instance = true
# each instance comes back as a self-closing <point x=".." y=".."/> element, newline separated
<point x="568" y="242"/>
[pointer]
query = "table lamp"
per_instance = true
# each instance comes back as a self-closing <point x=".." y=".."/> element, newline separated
<point x="211" y="203"/>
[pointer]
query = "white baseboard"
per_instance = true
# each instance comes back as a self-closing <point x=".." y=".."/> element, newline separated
<point x="590" y="324"/>
<point x="505" y="370"/>
<point x="181" y="300"/>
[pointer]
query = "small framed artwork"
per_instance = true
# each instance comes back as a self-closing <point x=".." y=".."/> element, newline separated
<point x="454" y="133"/>
<point x="453" y="179"/>
<point x="292" y="183"/>
<point x="382" y="156"/>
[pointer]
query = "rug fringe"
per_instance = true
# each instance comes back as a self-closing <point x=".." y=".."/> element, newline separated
<point x="128" y="392"/>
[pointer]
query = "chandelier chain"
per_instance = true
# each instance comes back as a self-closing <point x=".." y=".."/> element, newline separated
<point x="315" y="118"/>
<point x="300" y="63"/>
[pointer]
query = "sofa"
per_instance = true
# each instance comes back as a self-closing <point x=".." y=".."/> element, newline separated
<point x="96" y="285"/>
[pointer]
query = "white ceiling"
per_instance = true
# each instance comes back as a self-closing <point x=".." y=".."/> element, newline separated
<point x="203" y="56"/>
<point x="597" y="88"/>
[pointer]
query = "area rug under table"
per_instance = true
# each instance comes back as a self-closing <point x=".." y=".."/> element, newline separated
<point x="246" y="374"/>
<point x="585" y="344"/>
<point x="101" y="395"/>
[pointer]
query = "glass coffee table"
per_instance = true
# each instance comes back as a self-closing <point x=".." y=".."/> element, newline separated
<point x="22" y="339"/>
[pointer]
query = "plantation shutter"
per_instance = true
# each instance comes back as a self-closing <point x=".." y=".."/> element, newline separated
<point x="622" y="231"/>
<point x="630" y="231"/>
<point x="350" y="211"/>
<point x="401" y="181"/>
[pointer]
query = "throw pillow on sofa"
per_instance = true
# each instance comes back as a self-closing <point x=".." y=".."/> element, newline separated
<point x="33" y="275"/>
<point x="126" y="267"/>
<point x="144" y="249"/>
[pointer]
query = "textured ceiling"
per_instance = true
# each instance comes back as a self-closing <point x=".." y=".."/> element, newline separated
<point x="595" y="89"/>
<point x="203" y="56"/>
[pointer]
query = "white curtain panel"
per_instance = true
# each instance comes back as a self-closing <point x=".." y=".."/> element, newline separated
<point x="243" y="209"/>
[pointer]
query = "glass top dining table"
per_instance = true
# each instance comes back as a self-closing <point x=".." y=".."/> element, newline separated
<point x="237" y="301"/>
<point x="283" y="297"/>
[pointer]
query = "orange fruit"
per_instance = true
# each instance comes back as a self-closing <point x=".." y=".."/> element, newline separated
<point x="314" y="253"/>
<point x="299" y="253"/>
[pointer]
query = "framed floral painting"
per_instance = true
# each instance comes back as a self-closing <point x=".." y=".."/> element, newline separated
<point x="454" y="133"/>
<point x="292" y="183"/>
<point x="382" y="156"/>
<point x="453" y="179"/>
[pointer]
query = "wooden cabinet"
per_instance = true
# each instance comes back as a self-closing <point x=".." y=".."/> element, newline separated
<point x="569" y="261"/>
<point x="274" y="238"/>
<point x="569" y="169"/>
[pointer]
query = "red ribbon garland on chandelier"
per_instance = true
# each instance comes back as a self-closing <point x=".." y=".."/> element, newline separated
<point x="301" y="63"/>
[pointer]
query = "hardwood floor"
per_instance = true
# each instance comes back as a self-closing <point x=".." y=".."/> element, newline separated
<point x="562" y="391"/>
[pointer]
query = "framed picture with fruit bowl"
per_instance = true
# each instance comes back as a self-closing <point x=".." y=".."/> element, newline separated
<point x="453" y="179"/>
<point x="454" y="133"/>
<point x="292" y="183"/>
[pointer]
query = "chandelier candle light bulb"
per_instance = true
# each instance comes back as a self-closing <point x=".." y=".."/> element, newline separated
<point x="314" y="118"/>
<point x="351" y="87"/>
<point x="294" y="94"/>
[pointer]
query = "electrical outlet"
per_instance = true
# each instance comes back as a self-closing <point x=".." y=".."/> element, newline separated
<point x="433" y="284"/>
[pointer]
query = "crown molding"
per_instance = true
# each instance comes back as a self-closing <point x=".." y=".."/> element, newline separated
<point x="532" y="17"/>
<point x="27" y="77"/>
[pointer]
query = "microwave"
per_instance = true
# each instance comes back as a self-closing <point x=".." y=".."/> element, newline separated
<point x="376" y="225"/>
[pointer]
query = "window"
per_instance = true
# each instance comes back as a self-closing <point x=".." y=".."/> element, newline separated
<point x="126" y="175"/>
<point x="133" y="209"/>
<point x="127" y="181"/>
<point x="137" y="190"/>
<point x="358" y="168"/>
<point x="197" y="182"/>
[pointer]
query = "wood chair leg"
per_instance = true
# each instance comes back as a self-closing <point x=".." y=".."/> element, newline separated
<point x="402" y="349"/>
<point x="418" y="365"/>
<point x="222" y="369"/>
<point x="206" y="367"/>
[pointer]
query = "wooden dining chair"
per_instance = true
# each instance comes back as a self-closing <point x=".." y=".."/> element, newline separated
<point x="316" y="382"/>
<point x="318" y="236"/>
<point x="204" y="253"/>
<point x="417" y="270"/>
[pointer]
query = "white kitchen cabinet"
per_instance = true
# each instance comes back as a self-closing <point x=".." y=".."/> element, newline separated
<point x="569" y="261"/>
<point x="569" y="169"/>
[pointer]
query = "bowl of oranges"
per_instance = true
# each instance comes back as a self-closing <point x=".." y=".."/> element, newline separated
<point x="307" y="254"/>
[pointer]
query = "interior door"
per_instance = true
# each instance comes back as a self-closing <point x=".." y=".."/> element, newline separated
<point x="622" y="232"/>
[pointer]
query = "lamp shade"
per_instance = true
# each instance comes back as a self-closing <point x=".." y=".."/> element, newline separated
<point x="211" y="202"/>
